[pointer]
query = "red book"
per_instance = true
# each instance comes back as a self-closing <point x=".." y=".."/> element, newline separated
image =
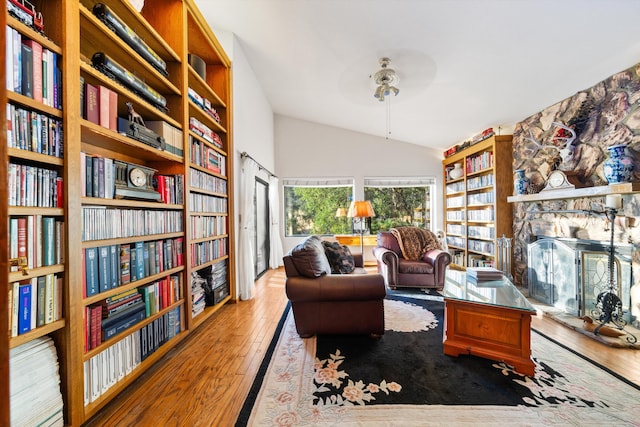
<point x="161" y="187"/>
<point x="59" y="193"/>
<point x="103" y="106"/>
<point x="36" y="49"/>
<point x="91" y="100"/>
<point x="22" y="237"/>
<point x="113" y="111"/>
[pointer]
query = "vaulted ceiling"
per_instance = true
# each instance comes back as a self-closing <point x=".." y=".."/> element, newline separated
<point x="464" y="65"/>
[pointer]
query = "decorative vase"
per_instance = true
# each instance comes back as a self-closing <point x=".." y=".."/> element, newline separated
<point x="618" y="167"/>
<point x="456" y="172"/>
<point x="520" y="182"/>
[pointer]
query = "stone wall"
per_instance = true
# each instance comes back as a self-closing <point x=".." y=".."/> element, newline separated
<point x="573" y="135"/>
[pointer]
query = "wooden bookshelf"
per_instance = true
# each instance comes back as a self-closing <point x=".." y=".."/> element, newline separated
<point x="475" y="204"/>
<point x="173" y="29"/>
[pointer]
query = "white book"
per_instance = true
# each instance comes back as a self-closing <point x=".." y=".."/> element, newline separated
<point x="50" y="288"/>
<point x="87" y="383"/>
<point x="9" y="57"/>
<point x="103" y="362"/>
<point x="96" y="388"/>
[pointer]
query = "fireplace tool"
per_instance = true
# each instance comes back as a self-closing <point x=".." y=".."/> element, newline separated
<point x="608" y="304"/>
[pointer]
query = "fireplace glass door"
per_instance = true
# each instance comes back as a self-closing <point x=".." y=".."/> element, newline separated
<point x="553" y="276"/>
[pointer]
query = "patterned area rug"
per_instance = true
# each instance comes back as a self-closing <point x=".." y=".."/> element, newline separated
<point x="403" y="379"/>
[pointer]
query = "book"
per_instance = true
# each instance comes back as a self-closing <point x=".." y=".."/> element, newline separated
<point x="49" y="241"/>
<point x="24" y="307"/>
<point x="51" y="298"/>
<point x="36" y="51"/>
<point x="41" y="296"/>
<point x="27" y="71"/>
<point x="124" y="324"/>
<point x="125" y="264"/>
<point x="113" y="110"/>
<point x="91" y="103"/>
<point x="114" y="261"/>
<point x="484" y="273"/>
<point x="104" y="267"/>
<point x="91" y="264"/>
<point x="110" y="320"/>
<point x="103" y="106"/>
<point x="139" y="260"/>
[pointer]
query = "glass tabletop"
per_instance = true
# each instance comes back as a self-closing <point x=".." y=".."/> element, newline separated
<point x="501" y="293"/>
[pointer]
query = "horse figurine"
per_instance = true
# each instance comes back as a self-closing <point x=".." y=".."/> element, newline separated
<point x="133" y="116"/>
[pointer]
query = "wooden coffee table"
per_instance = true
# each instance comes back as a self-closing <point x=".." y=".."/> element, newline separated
<point x="489" y="319"/>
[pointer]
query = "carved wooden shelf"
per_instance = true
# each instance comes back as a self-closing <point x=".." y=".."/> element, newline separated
<point x="623" y="188"/>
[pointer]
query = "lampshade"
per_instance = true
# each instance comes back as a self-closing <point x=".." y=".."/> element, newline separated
<point x="361" y="209"/>
<point x="341" y="212"/>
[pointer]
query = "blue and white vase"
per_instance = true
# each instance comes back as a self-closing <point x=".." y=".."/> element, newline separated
<point x="520" y="182"/>
<point x="618" y="167"/>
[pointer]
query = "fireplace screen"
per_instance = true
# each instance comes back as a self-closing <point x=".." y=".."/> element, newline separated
<point x="569" y="274"/>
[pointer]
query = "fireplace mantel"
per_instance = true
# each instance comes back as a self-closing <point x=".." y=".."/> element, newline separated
<point x="623" y="188"/>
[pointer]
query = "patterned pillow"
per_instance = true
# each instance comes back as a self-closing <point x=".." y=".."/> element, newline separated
<point x="339" y="257"/>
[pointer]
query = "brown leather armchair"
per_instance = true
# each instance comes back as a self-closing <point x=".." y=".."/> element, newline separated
<point x="400" y="272"/>
<point x="325" y="303"/>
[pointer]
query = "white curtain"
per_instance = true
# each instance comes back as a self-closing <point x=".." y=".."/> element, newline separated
<point x="275" y="249"/>
<point x="246" y="251"/>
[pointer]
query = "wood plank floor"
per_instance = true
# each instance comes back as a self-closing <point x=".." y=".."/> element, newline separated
<point x="205" y="380"/>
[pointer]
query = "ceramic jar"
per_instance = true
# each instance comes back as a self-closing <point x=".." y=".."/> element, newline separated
<point x="618" y="167"/>
<point x="520" y="182"/>
<point x="456" y="172"/>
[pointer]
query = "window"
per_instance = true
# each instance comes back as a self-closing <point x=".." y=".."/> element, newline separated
<point x="400" y="201"/>
<point x="310" y="206"/>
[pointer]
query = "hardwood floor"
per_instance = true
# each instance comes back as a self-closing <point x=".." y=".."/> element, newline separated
<point x="205" y="380"/>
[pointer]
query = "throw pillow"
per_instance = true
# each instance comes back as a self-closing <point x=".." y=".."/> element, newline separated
<point x="339" y="257"/>
<point x="310" y="259"/>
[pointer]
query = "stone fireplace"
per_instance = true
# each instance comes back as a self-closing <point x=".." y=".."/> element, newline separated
<point x="570" y="273"/>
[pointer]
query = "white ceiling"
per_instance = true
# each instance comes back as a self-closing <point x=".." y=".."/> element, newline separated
<point x="464" y="65"/>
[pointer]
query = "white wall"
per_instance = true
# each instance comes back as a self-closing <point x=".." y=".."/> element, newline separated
<point x="252" y="118"/>
<point x="306" y="149"/>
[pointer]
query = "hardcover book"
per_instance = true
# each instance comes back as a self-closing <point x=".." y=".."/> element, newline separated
<point x="104" y="254"/>
<point x="91" y="103"/>
<point x="91" y="263"/>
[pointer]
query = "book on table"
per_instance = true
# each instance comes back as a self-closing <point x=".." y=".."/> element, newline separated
<point x="484" y="273"/>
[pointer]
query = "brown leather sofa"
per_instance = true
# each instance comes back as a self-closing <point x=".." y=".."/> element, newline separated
<point x="325" y="303"/>
<point x="400" y="272"/>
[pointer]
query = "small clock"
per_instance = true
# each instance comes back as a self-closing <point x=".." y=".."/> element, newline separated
<point x="560" y="180"/>
<point x="137" y="177"/>
<point x="134" y="182"/>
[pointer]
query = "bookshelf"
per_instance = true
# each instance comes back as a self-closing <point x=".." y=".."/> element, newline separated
<point x="4" y="253"/>
<point x="177" y="219"/>
<point x="475" y="203"/>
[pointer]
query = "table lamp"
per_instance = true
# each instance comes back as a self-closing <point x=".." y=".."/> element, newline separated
<point x="361" y="210"/>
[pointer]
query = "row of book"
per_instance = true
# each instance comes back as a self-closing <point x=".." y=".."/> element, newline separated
<point x="206" y="157"/>
<point x="479" y="162"/>
<point x="204" y="104"/>
<point x="99" y="105"/>
<point x="100" y="222"/>
<point x="35" y="186"/>
<point x="204" y="132"/>
<point x="108" y="267"/>
<point x="204" y="181"/>
<point x="40" y="239"/>
<point x="114" y="315"/>
<point x="34" y="384"/>
<point x="207" y="226"/>
<point x="170" y="187"/>
<point x="104" y="370"/>
<point x="480" y="246"/>
<point x="34" y="303"/>
<point x="32" y="70"/>
<point x="205" y="203"/>
<point x="206" y="251"/>
<point x="33" y="131"/>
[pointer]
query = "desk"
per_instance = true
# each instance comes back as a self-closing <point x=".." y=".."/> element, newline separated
<point x="354" y="240"/>
<point x="490" y="319"/>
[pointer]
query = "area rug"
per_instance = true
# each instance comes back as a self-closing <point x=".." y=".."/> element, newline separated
<point x="404" y="379"/>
